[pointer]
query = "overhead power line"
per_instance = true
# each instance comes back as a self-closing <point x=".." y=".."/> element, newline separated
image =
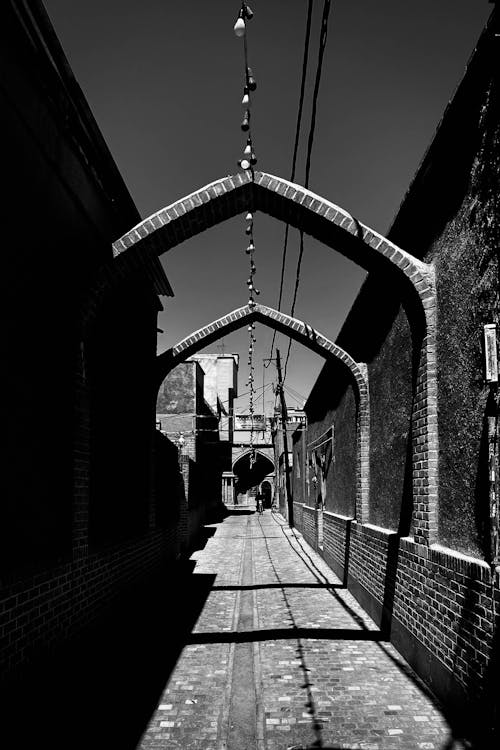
<point x="295" y="394"/>
<point x="227" y="401"/>
<point x="305" y="59"/>
<point x="243" y="408"/>
<point x="310" y="141"/>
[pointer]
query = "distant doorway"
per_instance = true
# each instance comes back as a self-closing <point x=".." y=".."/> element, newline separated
<point x="250" y="476"/>
<point x="267" y="491"/>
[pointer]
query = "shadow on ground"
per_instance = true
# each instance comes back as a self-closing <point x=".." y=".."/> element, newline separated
<point x="476" y="728"/>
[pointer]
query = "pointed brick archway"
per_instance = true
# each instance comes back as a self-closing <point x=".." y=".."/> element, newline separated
<point x="247" y="452"/>
<point x="336" y="228"/>
<point x="284" y="200"/>
<point x="304" y="334"/>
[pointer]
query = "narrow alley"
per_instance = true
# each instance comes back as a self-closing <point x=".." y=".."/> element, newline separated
<point x="282" y="656"/>
<point x="251" y="483"/>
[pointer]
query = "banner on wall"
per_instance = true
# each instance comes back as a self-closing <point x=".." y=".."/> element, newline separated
<point x="319" y="458"/>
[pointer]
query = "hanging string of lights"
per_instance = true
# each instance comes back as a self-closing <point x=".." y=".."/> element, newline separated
<point x="247" y="163"/>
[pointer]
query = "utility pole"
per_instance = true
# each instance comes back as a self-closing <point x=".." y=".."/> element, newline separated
<point x="284" y="419"/>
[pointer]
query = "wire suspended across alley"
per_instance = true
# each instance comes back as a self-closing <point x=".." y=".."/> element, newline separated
<point x="321" y="51"/>
<point x="305" y="59"/>
<point x="310" y="141"/>
<point x="247" y="163"/>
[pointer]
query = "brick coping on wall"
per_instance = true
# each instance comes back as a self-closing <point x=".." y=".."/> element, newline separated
<point x="435" y="553"/>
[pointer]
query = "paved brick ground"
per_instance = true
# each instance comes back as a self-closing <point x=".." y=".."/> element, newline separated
<point x="321" y="675"/>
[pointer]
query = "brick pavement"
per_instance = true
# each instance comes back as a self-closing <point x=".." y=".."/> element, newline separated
<point x="321" y="675"/>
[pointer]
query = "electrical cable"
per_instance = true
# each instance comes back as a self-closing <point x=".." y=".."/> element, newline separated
<point x="310" y="142"/>
<point x="246" y="393"/>
<point x="305" y="59"/>
<point x="295" y="393"/>
<point x="241" y="409"/>
<point x="298" y="398"/>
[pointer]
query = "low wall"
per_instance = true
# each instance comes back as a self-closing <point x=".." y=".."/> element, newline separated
<point x="336" y="542"/>
<point x="309" y="526"/>
<point x="298" y="514"/>
<point x="435" y="605"/>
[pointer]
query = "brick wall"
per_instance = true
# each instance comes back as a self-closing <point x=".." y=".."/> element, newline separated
<point x="43" y="605"/>
<point x="336" y="541"/>
<point x="39" y="611"/>
<point x="298" y="515"/>
<point x="309" y="525"/>
<point x="436" y="603"/>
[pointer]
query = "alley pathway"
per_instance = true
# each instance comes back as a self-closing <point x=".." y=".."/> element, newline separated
<point x="283" y="657"/>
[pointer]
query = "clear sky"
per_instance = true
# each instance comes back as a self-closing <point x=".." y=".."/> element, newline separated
<point x="164" y="80"/>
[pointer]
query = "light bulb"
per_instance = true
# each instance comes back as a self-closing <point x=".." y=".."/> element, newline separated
<point x="248" y="12"/>
<point x="250" y="248"/>
<point x="249" y="229"/>
<point x="245" y="125"/>
<point x="244" y="163"/>
<point x="239" y="26"/>
<point x="246" y="99"/>
<point x="249" y="216"/>
<point x="248" y="150"/>
<point x="251" y="83"/>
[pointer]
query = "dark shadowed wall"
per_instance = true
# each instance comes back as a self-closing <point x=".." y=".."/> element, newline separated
<point x="451" y="217"/>
<point x="77" y="515"/>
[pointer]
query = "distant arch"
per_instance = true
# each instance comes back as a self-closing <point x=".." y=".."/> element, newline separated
<point x="246" y="453"/>
<point x="310" y="338"/>
<point x="300" y="331"/>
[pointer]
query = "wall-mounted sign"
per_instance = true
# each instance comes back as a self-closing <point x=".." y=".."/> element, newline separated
<point x="490" y="353"/>
<point x="247" y="422"/>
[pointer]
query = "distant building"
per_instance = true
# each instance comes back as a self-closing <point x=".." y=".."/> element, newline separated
<point x="246" y="476"/>
<point x="195" y="411"/>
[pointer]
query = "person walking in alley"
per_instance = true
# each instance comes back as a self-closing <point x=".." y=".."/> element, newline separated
<point x="260" y="502"/>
